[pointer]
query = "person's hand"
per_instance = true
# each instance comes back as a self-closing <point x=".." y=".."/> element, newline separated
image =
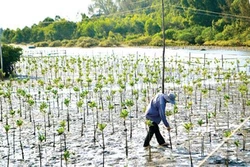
<point x="168" y="128"/>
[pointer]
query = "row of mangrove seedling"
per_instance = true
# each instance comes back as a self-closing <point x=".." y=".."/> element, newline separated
<point x="50" y="93"/>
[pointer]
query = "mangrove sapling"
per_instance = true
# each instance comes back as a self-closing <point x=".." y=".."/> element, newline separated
<point x="243" y="89"/>
<point x="237" y="144"/>
<point x="7" y="128"/>
<point x="185" y="87"/>
<point x="129" y="103"/>
<point x="227" y="76"/>
<point x="198" y="86"/>
<point x="63" y="124"/>
<point x="41" y="138"/>
<point x="109" y="104"/>
<point x="41" y="84"/>
<point x="204" y="92"/>
<point x="12" y="114"/>
<point x="7" y="95"/>
<point x="66" y="156"/>
<point x="89" y="80"/>
<point x="80" y="80"/>
<point x="121" y="89"/>
<point x="124" y="115"/>
<point x="93" y="105"/>
<point x="200" y="123"/>
<point x="111" y="108"/>
<point x="43" y="107"/>
<point x="146" y="82"/>
<point x="175" y="111"/>
<point x="144" y="95"/>
<point x="66" y="102"/>
<point x="79" y="107"/>
<point x="189" y="106"/>
<point x="101" y="127"/>
<point x="190" y="93"/>
<point x="208" y="119"/>
<point x="20" y="93"/>
<point x="215" y="116"/>
<point x="204" y="74"/>
<point x="60" y="132"/>
<point x="56" y="96"/>
<point x="31" y="102"/>
<point x="83" y="95"/>
<point x="99" y="85"/>
<point x="48" y="88"/>
<point x="98" y="90"/>
<point x="19" y="123"/>
<point x="226" y="98"/>
<point x="135" y="94"/>
<point x="76" y="90"/>
<point x="227" y="134"/>
<point x="188" y="127"/>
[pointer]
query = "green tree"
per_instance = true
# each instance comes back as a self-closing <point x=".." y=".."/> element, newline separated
<point x="151" y="27"/>
<point x="11" y="55"/>
<point x="27" y="33"/>
<point x="8" y="35"/>
<point x="18" y="38"/>
<point x="60" y="30"/>
<point x="86" y="28"/>
<point x="38" y="34"/>
<point x="197" y="12"/>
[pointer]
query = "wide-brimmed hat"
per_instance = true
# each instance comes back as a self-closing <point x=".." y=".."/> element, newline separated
<point x="170" y="98"/>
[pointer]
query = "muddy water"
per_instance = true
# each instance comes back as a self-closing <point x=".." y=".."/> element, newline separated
<point x="85" y="150"/>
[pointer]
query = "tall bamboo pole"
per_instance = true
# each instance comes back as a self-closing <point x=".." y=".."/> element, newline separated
<point x="164" y="45"/>
<point x="1" y="55"/>
<point x="163" y="62"/>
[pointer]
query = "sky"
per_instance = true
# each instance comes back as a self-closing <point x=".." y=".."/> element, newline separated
<point x="20" y="13"/>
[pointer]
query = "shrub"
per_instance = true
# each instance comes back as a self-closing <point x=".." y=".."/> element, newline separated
<point x="156" y="41"/>
<point x="199" y="40"/>
<point x="208" y="34"/>
<point x="170" y="33"/>
<point x="175" y="43"/>
<point x="42" y="44"/>
<point x="132" y="36"/>
<point x="186" y="36"/>
<point x="247" y="43"/>
<point x="71" y="43"/>
<point x="144" y="40"/>
<point x="109" y="43"/>
<point x="65" y="42"/>
<point x="87" y="42"/>
<point x="229" y="43"/>
<point x="55" y="44"/>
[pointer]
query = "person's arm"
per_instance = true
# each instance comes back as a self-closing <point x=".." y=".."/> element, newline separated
<point x="162" y="112"/>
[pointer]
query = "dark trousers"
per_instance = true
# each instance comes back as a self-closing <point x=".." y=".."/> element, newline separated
<point x="153" y="130"/>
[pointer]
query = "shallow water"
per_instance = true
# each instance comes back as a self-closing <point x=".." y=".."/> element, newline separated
<point x="85" y="152"/>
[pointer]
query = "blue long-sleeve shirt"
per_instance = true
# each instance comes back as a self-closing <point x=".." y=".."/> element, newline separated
<point x="156" y="109"/>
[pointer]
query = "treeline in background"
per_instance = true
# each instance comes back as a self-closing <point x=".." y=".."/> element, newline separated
<point x="139" y="23"/>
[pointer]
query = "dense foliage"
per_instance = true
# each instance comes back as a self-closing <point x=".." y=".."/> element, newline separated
<point x="11" y="55"/>
<point x="131" y="22"/>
